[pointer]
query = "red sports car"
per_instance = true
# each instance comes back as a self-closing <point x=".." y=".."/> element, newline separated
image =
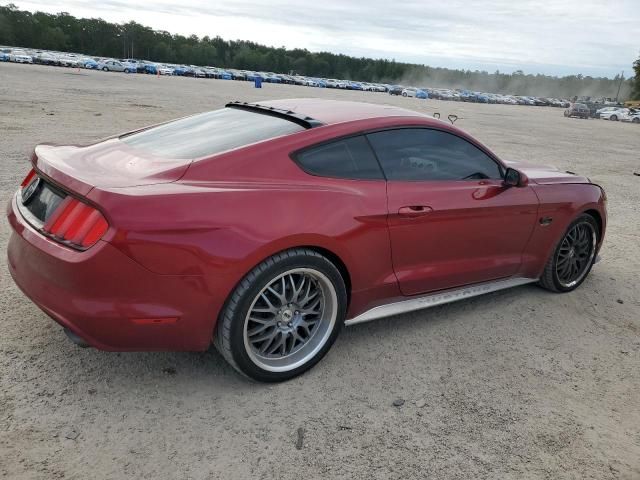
<point x="266" y="227"/>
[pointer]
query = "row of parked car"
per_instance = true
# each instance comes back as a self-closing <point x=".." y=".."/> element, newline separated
<point x="462" y="95"/>
<point x="131" y="65"/>
<point x="611" y="112"/>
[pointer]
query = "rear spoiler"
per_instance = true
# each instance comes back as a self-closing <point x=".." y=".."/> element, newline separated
<point x="302" y="120"/>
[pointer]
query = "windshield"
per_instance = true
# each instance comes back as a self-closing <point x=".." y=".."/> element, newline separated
<point x="210" y="133"/>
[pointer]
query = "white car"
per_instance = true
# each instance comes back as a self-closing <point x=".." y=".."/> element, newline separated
<point x="69" y="61"/>
<point x="114" y="66"/>
<point x="373" y="87"/>
<point x="164" y="70"/>
<point x="606" y="109"/>
<point x="631" y="115"/>
<point x="414" y="92"/>
<point x="19" y="56"/>
<point x="614" y="114"/>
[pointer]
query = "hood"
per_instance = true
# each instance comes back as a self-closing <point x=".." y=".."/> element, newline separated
<point x="108" y="164"/>
<point x="546" y="175"/>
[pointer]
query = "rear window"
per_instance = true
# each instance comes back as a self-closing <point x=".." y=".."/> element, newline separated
<point x="351" y="158"/>
<point x="210" y="133"/>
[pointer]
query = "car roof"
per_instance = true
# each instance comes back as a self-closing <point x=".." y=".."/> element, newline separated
<point x="337" y="111"/>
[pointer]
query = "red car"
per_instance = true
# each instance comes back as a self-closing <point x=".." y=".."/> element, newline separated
<point x="266" y="227"/>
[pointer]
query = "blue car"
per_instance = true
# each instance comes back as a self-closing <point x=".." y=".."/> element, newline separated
<point x="414" y="92"/>
<point x="180" y="70"/>
<point x="151" y="68"/>
<point x="467" y="96"/>
<point x="273" y="78"/>
<point x="90" y="63"/>
<point x="4" y="57"/>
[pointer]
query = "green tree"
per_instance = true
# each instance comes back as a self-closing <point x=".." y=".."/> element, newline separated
<point x="55" y="38"/>
<point x="635" y="94"/>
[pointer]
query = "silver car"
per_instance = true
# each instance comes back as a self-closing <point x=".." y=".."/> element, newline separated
<point x="115" y="66"/>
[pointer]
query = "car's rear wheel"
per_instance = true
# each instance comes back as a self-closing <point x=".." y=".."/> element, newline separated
<point x="283" y="316"/>
<point x="105" y="69"/>
<point x="573" y="257"/>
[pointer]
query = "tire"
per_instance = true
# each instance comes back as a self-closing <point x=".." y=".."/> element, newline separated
<point x="126" y="70"/>
<point x="270" y="301"/>
<point x="635" y="120"/>
<point x="105" y="69"/>
<point x="404" y="94"/>
<point x="614" y="118"/>
<point x="566" y="113"/>
<point x="569" y="249"/>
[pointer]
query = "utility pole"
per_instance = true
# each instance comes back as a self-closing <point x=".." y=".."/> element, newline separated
<point x="620" y="85"/>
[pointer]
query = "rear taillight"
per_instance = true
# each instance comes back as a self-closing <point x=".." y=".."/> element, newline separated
<point x="27" y="180"/>
<point x="76" y="224"/>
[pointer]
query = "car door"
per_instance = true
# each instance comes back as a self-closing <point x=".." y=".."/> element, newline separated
<point x="451" y="220"/>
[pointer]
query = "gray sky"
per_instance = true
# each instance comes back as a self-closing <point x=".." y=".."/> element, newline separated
<point x="592" y="37"/>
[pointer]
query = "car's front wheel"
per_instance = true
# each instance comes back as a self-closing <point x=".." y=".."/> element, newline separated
<point x="614" y="118"/>
<point x="283" y="316"/>
<point x="105" y="69"/>
<point x="573" y="257"/>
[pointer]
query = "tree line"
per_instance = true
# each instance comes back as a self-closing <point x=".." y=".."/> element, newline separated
<point x="97" y="37"/>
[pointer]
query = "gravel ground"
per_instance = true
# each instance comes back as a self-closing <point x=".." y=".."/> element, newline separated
<point x="521" y="384"/>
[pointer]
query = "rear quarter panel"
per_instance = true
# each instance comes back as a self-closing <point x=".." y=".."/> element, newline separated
<point x="230" y="213"/>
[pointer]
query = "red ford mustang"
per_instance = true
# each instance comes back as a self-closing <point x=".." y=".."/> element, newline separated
<point x="266" y="227"/>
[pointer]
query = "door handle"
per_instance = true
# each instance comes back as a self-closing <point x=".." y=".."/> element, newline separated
<point x="414" y="211"/>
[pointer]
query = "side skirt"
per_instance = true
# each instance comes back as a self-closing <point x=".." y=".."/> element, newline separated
<point x="438" y="298"/>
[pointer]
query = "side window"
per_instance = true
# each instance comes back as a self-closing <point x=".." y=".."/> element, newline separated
<point x="350" y="158"/>
<point x="418" y="154"/>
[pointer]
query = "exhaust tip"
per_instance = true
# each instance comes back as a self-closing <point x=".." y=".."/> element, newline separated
<point x="76" y="339"/>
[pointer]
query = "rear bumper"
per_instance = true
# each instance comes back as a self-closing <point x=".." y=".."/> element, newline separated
<point x="107" y="299"/>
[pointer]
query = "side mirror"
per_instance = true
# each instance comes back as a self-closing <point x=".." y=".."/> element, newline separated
<point x="513" y="178"/>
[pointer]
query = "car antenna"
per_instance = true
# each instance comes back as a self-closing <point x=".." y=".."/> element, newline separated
<point x="452" y="118"/>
